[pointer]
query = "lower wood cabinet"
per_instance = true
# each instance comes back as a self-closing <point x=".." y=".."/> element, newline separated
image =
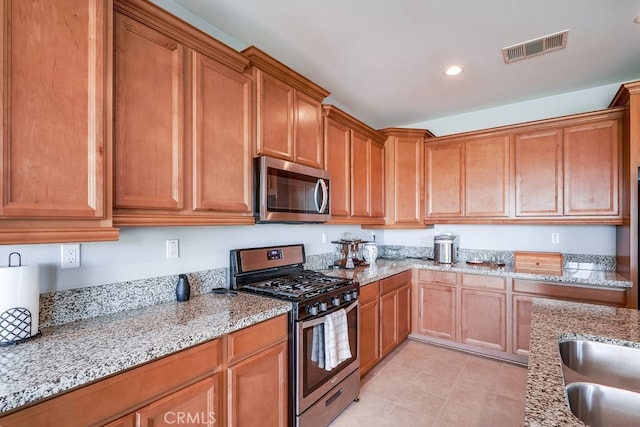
<point x="483" y="319"/>
<point x="185" y="388"/>
<point x="435" y="304"/>
<point x="369" y="327"/>
<point x="197" y="404"/>
<point x="395" y="311"/>
<point x="520" y="324"/>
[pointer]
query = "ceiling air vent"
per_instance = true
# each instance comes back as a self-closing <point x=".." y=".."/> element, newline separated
<point x="535" y="47"/>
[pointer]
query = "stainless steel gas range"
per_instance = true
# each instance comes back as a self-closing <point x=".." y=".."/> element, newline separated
<point x="324" y="318"/>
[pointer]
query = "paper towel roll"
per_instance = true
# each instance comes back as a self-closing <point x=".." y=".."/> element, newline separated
<point x="19" y="302"/>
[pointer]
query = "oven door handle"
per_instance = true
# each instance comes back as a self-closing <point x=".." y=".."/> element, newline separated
<point x="320" y="320"/>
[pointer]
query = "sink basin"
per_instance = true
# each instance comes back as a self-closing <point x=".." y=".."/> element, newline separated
<point x="602" y="363"/>
<point x="598" y="405"/>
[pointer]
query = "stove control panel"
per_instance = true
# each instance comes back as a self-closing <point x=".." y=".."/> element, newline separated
<point x="327" y="302"/>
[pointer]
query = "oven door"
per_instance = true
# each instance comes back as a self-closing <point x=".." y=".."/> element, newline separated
<point x="312" y="381"/>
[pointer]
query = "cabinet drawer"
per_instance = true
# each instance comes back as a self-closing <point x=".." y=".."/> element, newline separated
<point x="394" y="282"/>
<point x="248" y="341"/>
<point x="483" y="282"/>
<point x="369" y="292"/>
<point x="571" y="292"/>
<point x="442" y="277"/>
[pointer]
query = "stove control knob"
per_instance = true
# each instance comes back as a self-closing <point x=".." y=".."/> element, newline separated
<point x="335" y="301"/>
<point x="354" y="295"/>
<point x="347" y="296"/>
<point x="323" y="306"/>
<point x="312" y="309"/>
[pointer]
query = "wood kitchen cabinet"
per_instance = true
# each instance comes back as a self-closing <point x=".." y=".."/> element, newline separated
<point x="354" y="155"/>
<point x="197" y="404"/>
<point x="258" y="367"/>
<point x="395" y="311"/>
<point x="563" y="170"/>
<point x="487" y="184"/>
<point x="369" y="327"/>
<point x="183" y="140"/>
<point x="435" y="304"/>
<point x="56" y="147"/>
<point x="591" y="168"/>
<point x="538" y="169"/>
<point x="445" y="182"/>
<point x="289" y="112"/>
<point x="404" y="177"/>
<point x="483" y="311"/>
<point x="521" y="324"/>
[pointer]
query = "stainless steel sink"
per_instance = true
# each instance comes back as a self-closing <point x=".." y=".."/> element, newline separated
<point x="598" y="405"/>
<point x="602" y="363"/>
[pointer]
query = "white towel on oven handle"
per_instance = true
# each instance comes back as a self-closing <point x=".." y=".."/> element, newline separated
<point x="336" y="339"/>
<point x="317" y="345"/>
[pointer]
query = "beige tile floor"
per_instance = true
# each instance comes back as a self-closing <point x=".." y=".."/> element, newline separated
<point x="425" y="385"/>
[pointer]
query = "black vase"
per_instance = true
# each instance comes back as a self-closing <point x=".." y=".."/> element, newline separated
<point x="183" y="290"/>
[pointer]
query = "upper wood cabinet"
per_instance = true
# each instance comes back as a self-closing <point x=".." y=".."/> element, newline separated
<point x="288" y="112"/>
<point x="591" y="168"/>
<point x="538" y="172"/>
<point x="183" y="132"/>
<point x="562" y="170"/>
<point x="354" y="155"/>
<point x="468" y="178"/>
<point x="487" y="177"/>
<point x="55" y="146"/>
<point x="445" y="180"/>
<point x="404" y="177"/>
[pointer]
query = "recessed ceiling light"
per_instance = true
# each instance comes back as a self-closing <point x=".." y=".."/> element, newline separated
<point x="637" y="19"/>
<point x="453" y="70"/>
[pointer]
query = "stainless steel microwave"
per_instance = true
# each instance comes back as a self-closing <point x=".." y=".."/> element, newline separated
<point x="287" y="192"/>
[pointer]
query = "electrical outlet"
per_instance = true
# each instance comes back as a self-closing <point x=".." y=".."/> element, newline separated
<point x="70" y="256"/>
<point x="555" y="238"/>
<point x="173" y="248"/>
<point x="324" y="237"/>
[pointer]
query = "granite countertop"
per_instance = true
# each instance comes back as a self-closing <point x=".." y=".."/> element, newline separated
<point x="553" y="320"/>
<point x="81" y="352"/>
<point x="570" y="276"/>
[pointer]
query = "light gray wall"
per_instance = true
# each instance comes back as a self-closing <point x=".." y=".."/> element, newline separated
<point x="140" y="253"/>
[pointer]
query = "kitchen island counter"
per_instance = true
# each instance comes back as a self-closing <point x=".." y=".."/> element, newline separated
<point x="553" y="320"/>
<point x="79" y="353"/>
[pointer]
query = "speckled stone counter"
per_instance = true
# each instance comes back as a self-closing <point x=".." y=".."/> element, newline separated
<point x="552" y="320"/>
<point x="78" y="353"/>
<point x="570" y="276"/>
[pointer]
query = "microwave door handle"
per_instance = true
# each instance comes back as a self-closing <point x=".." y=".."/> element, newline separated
<point x="325" y="194"/>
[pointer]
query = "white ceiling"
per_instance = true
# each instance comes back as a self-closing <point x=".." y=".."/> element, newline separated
<point x="383" y="60"/>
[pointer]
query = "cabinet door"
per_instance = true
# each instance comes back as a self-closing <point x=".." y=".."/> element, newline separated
<point x="376" y="166"/>
<point x="149" y="117"/>
<point x="264" y="376"/>
<point x="275" y="110"/>
<point x="444" y="172"/>
<point x="591" y="168"/>
<point x="55" y="145"/>
<point x="126" y="421"/>
<point x="538" y="173"/>
<point x="437" y="311"/>
<point x="198" y="404"/>
<point x="408" y="177"/>
<point x="222" y="167"/>
<point x="483" y="319"/>
<point x="521" y="324"/>
<point x="338" y="161"/>
<point x="388" y="329"/>
<point x="369" y="336"/>
<point x="309" y="147"/>
<point x="403" y="321"/>
<point x="487" y="177"/>
<point x="360" y="175"/>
